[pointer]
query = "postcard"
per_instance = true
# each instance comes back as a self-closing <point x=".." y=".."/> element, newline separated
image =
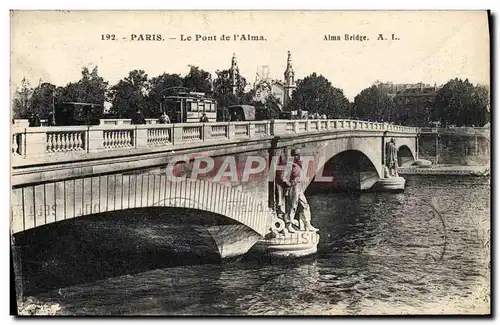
<point x="233" y="163"/>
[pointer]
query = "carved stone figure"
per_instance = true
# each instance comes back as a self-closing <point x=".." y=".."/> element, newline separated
<point x="295" y="200"/>
<point x="282" y="196"/>
<point x="391" y="158"/>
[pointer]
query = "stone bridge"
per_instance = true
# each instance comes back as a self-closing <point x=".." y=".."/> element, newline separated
<point x="60" y="173"/>
<point x="456" y="146"/>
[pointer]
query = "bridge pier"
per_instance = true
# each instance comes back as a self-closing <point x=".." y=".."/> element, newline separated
<point x="298" y="244"/>
<point x="393" y="184"/>
<point x="232" y="240"/>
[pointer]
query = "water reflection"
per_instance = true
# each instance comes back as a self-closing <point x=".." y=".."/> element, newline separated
<point x="378" y="252"/>
<point x="92" y="248"/>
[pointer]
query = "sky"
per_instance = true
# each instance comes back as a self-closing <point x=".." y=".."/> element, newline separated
<point x="429" y="46"/>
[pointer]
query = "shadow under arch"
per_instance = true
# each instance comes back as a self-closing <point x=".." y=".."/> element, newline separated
<point x="40" y="204"/>
<point x="349" y="170"/>
<point x="405" y="156"/>
<point x="117" y="243"/>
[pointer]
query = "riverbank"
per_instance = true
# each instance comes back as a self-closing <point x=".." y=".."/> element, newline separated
<point x="446" y="170"/>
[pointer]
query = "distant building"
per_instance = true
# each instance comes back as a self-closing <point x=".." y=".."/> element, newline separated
<point x="266" y="88"/>
<point x="234" y="71"/>
<point x="414" y="105"/>
<point x="289" y="84"/>
<point x="282" y="90"/>
<point x="391" y="89"/>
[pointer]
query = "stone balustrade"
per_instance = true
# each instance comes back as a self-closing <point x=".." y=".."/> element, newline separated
<point x="18" y="137"/>
<point x="126" y="121"/>
<point x="479" y="131"/>
<point x="53" y="142"/>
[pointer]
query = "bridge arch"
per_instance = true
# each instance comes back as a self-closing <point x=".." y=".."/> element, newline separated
<point x="407" y="149"/>
<point x="41" y="204"/>
<point x="116" y="243"/>
<point x="347" y="170"/>
<point x="349" y="161"/>
<point x="405" y="156"/>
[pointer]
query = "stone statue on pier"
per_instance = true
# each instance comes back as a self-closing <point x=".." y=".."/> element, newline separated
<point x="291" y="199"/>
<point x="391" y="159"/>
<point x="279" y="189"/>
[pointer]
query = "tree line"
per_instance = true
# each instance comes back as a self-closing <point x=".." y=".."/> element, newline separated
<point x="458" y="102"/>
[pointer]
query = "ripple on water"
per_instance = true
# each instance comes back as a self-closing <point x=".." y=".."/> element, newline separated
<point x="378" y="252"/>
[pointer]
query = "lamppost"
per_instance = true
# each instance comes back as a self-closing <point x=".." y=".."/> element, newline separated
<point x="53" y="119"/>
<point x="384" y="137"/>
<point x="437" y="147"/>
<point x="317" y="107"/>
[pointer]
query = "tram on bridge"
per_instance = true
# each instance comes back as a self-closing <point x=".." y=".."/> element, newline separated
<point x="184" y="106"/>
<point x="76" y="113"/>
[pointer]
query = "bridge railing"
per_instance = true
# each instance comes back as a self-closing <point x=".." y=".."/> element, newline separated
<point x="479" y="131"/>
<point x="302" y="126"/>
<point x="62" y="141"/>
<point x="18" y="138"/>
<point x="119" y="121"/>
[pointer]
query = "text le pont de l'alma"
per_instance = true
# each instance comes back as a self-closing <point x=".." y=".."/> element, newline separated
<point x="223" y="37"/>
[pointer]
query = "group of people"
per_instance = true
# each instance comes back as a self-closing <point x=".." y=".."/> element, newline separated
<point x="318" y="116"/>
<point x="35" y="121"/>
<point x="315" y="116"/>
<point x="138" y="118"/>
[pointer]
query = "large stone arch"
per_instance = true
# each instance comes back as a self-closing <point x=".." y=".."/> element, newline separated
<point x="407" y="143"/>
<point x="405" y="156"/>
<point x="324" y="152"/>
<point x="116" y="243"/>
<point x="42" y="204"/>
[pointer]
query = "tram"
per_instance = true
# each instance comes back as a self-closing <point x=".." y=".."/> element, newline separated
<point x="76" y="113"/>
<point x="242" y="112"/>
<point x="184" y="106"/>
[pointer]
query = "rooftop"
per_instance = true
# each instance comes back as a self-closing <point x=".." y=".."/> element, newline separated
<point x="426" y="91"/>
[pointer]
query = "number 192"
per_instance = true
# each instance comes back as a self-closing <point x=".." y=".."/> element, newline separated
<point x="108" y="37"/>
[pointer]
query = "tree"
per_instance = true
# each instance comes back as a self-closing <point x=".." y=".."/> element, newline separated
<point x="481" y="100"/>
<point x="338" y="104"/>
<point x="21" y="103"/>
<point x="129" y="94"/>
<point x="223" y="90"/>
<point x="198" y="80"/>
<point x="350" y="110"/>
<point x="461" y="103"/>
<point x="316" y="94"/>
<point x="372" y="104"/>
<point x="91" y="88"/>
<point x="270" y="108"/>
<point x="42" y="100"/>
<point x="249" y="98"/>
<point x="157" y="86"/>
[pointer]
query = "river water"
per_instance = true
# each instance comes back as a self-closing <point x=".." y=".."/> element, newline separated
<point x="422" y="251"/>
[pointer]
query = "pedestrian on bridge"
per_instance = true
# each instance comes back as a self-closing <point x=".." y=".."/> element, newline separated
<point x="299" y="114"/>
<point x="35" y="120"/>
<point x="164" y="118"/>
<point x="204" y="118"/>
<point x="138" y="117"/>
